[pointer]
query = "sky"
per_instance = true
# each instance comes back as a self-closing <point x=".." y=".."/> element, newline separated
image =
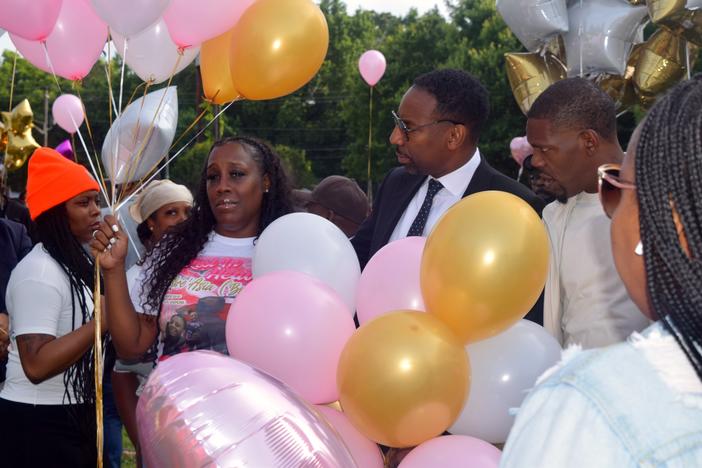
<point x="397" y="7"/>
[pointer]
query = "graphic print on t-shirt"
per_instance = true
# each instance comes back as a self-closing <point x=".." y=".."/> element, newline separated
<point x="195" y="308"/>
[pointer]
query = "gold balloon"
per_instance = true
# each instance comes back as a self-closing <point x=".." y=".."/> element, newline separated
<point x="277" y="47"/>
<point x="484" y="264"/>
<point x="530" y="74"/>
<point x="214" y="69"/>
<point x="660" y="10"/>
<point x="620" y="88"/>
<point x="661" y="64"/>
<point x="688" y="24"/>
<point x="20" y="142"/>
<point x="556" y="46"/>
<point x="403" y="378"/>
<point x="637" y="2"/>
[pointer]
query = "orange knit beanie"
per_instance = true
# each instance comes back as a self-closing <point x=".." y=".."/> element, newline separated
<point x="52" y="179"/>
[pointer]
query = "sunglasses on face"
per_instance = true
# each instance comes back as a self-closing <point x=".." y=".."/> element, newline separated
<point x="399" y="123"/>
<point x="610" y="187"/>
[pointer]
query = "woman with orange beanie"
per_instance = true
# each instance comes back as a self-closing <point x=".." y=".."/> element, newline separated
<point x="49" y="395"/>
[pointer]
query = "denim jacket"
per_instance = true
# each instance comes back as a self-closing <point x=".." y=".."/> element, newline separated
<point x="635" y="404"/>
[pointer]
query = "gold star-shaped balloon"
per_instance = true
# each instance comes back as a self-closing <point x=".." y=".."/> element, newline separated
<point x="529" y="74"/>
<point x="20" y="144"/>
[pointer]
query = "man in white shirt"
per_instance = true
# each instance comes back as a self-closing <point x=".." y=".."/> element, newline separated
<point x="572" y="128"/>
<point x="436" y="133"/>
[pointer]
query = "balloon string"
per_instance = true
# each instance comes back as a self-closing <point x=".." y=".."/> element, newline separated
<point x="580" y="34"/>
<point x="126" y="200"/>
<point x="98" y="362"/>
<point x="12" y="81"/>
<point x="370" y="142"/>
<point x="90" y="132"/>
<point x="73" y="145"/>
<point x="132" y="168"/>
<point x="687" y="60"/>
<point x="101" y="182"/>
<point x="108" y="72"/>
<point x="135" y="164"/>
<point x="51" y="66"/>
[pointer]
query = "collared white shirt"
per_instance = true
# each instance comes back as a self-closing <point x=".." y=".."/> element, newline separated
<point x="454" y="184"/>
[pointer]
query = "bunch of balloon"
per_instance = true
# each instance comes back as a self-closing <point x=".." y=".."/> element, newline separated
<point x="602" y="41"/>
<point x="16" y="139"/>
<point x="371" y="65"/>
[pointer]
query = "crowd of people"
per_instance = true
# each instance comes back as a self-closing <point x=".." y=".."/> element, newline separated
<point x="623" y="291"/>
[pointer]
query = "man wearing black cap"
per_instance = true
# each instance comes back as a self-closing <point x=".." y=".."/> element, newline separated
<point x="341" y="201"/>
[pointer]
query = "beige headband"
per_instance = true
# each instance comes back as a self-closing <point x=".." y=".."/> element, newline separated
<point x="157" y="194"/>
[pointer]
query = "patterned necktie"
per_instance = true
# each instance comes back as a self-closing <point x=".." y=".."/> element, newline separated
<point x="417" y="228"/>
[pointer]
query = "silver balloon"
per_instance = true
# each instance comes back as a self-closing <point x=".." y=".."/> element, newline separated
<point x="2" y="31"/>
<point x="601" y="34"/>
<point x="205" y="409"/>
<point x="141" y="136"/>
<point x="534" y="22"/>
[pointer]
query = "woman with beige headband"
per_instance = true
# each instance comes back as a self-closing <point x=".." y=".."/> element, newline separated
<point x="161" y="205"/>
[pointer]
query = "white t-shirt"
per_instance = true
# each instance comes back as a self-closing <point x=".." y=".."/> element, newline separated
<point x="39" y="301"/>
<point x="195" y="307"/>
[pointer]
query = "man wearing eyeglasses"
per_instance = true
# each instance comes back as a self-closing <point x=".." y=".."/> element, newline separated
<point x="572" y="128"/>
<point x="436" y="133"/>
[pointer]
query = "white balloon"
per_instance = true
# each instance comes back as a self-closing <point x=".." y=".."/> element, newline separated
<point x="128" y="17"/>
<point x="503" y="370"/>
<point x="310" y="244"/>
<point x="153" y="55"/>
<point x="141" y="136"/>
<point x="2" y="31"/>
<point x="601" y="34"/>
<point x="534" y="21"/>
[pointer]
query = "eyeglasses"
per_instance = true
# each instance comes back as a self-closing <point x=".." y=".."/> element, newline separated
<point x="610" y="187"/>
<point x="399" y="123"/>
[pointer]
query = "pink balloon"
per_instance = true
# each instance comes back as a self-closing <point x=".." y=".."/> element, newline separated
<point x="294" y="327"/>
<point x="520" y="149"/>
<point x="453" y="451"/>
<point x="365" y="452"/>
<point x="128" y="17"/>
<point x="74" y="45"/>
<point x="206" y="409"/>
<point x="68" y="112"/>
<point x="372" y="66"/>
<point x="390" y="280"/>
<point x="193" y="22"/>
<point x="30" y="19"/>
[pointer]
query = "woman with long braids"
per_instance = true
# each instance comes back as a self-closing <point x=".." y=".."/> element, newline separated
<point x="192" y="276"/>
<point x="47" y="403"/>
<point x="638" y="403"/>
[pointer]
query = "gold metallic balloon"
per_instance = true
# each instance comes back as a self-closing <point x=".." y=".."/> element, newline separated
<point x="403" y="378"/>
<point x="20" y="142"/>
<point x="277" y="47"/>
<point x="484" y="264"/>
<point x="661" y="64"/>
<point x="214" y="69"/>
<point x="660" y="10"/>
<point x="621" y="88"/>
<point x="556" y="46"/>
<point x="530" y="74"/>
<point x="637" y="2"/>
<point x="686" y="23"/>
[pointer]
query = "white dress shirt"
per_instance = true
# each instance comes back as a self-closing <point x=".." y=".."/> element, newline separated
<point x="455" y="184"/>
<point x="585" y="302"/>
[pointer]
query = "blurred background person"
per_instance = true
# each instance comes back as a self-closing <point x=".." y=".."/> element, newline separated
<point x="341" y="201"/>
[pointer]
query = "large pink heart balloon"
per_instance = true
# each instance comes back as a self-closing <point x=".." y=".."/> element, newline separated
<point x="206" y="409"/>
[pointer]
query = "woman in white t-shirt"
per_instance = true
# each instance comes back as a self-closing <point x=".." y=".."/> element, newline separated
<point x="193" y="275"/>
<point x="48" y="402"/>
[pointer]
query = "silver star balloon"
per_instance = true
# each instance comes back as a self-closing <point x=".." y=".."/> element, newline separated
<point x="601" y="34"/>
<point x="141" y="136"/>
<point x="534" y="22"/>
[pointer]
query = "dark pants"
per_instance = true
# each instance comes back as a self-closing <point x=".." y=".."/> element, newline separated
<point x="112" y="426"/>
<point x="47" y="435"/>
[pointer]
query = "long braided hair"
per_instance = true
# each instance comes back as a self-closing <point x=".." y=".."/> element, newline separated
<point x="54" y="233"/>
<point x="669" y="183"/>
<point x="186" y="240"/>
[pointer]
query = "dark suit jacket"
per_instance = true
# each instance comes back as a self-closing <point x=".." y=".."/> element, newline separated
<point x="14" y="245"/>
<point x="397" y="190"/>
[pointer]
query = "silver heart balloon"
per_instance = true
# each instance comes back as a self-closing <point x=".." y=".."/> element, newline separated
<point x="534" y="21"/>
<point x="141" y="136"/>
<point x="601" y="34"/>
<point x="205" y="409"/>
